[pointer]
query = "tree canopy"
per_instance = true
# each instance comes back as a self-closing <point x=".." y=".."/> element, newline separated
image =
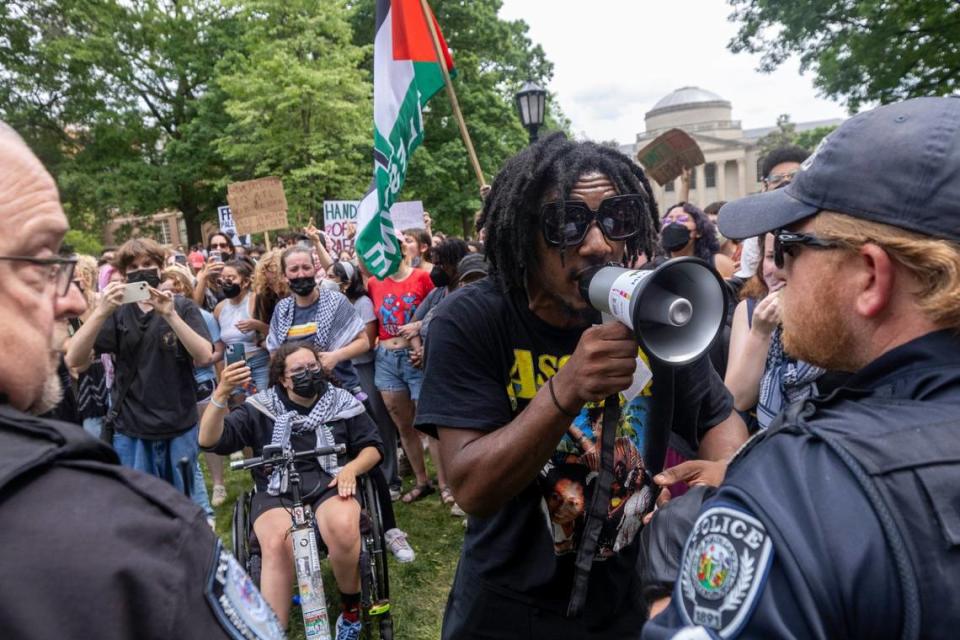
<point x="861" y="51"/>
<point x="140" y="106"/>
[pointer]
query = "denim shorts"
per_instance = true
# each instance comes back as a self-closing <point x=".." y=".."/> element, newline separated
<point x="394" y="372"/>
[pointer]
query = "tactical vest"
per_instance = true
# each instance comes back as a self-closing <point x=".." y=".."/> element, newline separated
<point x="905" y="454"/>
<point x="28" y="443"/>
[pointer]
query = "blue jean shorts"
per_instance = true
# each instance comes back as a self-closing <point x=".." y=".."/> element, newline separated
<point x="394" y="372"/>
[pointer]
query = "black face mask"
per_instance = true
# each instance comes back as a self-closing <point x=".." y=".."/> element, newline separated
<point x="231" y="290"/>
<point x="439" y="277"/>
<point x="309" y="383"/>
<point x="303" y="286"/>
<point x="674" y="236"/>
<point x="150" y="276"/>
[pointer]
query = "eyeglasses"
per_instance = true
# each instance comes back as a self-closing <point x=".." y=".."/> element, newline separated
<point x="567" y="223"/>
<point x="312" y="368"/>
<point x="789" y="243"/>
<point x="219" y="245"/>
<point x="59" y="270"/>
<point x="774" y="179"/>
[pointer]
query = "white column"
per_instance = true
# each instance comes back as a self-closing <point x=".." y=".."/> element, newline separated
<point x="701" y="186"/>
<point x="722" y="180"/>
<point x="742" y="176"/>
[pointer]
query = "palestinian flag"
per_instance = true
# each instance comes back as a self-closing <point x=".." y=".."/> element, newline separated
<point x="405" y="75"/>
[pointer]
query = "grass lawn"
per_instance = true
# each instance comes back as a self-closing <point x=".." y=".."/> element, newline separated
<point x="418" y="590"/>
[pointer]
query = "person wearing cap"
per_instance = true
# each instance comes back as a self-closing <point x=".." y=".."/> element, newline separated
<point x="841" y="520"/>
<point x="472" y="267"/>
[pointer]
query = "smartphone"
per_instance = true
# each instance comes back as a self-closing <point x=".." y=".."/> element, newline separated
<point x="180" y="259"/>
<point x="235" y="353"/>
<point x="135" y="292"/>
<point x="215" y="256"/>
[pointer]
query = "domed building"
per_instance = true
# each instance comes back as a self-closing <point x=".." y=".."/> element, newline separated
<point x="731" y="153"/>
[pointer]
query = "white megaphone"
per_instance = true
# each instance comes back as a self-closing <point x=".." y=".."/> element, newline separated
<point x="676" y="311"/>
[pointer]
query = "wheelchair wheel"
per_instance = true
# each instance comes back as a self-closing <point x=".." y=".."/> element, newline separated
<point x="241" y="531"/>
<point x="375" y="583"/>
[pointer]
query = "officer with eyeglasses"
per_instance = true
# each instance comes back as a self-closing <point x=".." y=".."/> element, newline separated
<point x="516" y="367"/>
<point x="87" y="547"/>
<point x="841" y="520"/>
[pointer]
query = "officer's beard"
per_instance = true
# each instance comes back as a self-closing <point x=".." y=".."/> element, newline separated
<point x="50" y="395"/>
<point x="818" y="331"/>
<point x="52" y="391"/>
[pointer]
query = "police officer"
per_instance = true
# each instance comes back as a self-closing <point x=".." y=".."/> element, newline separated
<point x="87" y="548"/>
<point x="841" y="520"/>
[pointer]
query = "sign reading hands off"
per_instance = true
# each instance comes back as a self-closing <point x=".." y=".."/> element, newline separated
<point x="258" y="205"/>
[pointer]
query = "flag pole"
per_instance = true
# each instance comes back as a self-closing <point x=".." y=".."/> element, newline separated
<point x="474" y="162"/>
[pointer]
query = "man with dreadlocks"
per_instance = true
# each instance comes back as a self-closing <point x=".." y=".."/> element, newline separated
<point x="514" y="372"/>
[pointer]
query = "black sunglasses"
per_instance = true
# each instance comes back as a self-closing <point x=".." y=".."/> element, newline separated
<point x="790" y="242"/>
<point x="566" y="223"/>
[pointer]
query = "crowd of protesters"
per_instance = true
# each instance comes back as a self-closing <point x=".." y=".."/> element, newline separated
<point x="482" y="358"/>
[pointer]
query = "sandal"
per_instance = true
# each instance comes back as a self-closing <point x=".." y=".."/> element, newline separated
<point x="446" y="496"/>
<point x="417" y="493"/>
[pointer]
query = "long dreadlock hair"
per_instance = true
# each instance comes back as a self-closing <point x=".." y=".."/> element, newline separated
<point x="511" y="212"/>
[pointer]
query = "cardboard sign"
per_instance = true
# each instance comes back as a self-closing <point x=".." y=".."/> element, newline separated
<point x="258" y="205"/>
<point x="669" y="154"/>
<point x="336" y="215"/>
<point x="227" y="225"/>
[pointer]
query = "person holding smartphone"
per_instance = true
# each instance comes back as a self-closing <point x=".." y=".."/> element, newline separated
<point x="240" y="331"/>
<point x="220" y="250"/>
<point x="155" y="343"/>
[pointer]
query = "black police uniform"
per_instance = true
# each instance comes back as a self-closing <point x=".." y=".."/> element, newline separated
<point x="840" y="522"/>
<point x="91" y="549"/>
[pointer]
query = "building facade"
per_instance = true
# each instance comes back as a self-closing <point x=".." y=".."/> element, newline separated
<point x="166" y="227"/>
<point x="732" y="153"/>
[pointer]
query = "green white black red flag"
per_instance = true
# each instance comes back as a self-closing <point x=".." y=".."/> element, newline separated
<point x="406" y="74"/>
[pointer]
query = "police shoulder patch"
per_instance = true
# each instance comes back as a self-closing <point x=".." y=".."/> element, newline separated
<point x="237" y="602"/>
<point x="725" y="565"/>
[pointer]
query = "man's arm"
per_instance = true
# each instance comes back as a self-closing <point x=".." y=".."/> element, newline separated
<point x="722" y="441"/>
<point x="510" y="457"/>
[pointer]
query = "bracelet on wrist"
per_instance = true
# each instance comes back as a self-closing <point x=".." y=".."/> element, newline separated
<point x="556" y="402"/>
<point x="217" y="403"/>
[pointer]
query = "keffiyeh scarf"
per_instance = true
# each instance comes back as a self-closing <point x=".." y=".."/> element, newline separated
<point x="335" y="404"/>
<point x="784" y="381"/>
<point x="338" y="322"/>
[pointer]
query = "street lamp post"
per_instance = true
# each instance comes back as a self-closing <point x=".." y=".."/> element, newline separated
<point x="530" y="105"/>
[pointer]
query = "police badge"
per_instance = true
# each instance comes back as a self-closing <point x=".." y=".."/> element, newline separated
<point x="725" y="564"/>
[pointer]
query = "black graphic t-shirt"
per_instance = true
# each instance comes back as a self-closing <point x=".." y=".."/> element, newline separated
<point x="487" y="356"/>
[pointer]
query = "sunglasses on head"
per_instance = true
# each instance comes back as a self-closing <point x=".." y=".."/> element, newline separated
<point x="567" y="223"/>
<point x="789" y="243"/>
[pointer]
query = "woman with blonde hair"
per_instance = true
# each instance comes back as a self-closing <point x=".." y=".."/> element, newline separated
<point x="269" y="285"/>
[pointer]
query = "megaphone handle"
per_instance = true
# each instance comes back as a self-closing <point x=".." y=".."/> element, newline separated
<point x="597" y="513"/>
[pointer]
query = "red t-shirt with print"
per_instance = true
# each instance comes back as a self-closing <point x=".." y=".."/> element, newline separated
<point x="396" y="301"/>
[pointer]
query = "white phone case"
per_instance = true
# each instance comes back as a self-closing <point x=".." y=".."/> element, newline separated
<point x="135" y="292"/>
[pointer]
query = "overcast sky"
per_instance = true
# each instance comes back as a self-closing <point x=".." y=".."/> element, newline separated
<point x="613" y="59"/>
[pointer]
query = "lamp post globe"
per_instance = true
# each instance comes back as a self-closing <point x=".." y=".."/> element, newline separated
<point x="531" y="100"/>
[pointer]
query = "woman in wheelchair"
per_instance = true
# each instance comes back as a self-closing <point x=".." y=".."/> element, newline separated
<point x="303" y="410"/>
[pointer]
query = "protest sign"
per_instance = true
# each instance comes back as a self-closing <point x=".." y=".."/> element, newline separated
<point x="337" y="213"/>
<point x="669" y="154"/>
<point x="258" y="205"/>
<point x="228" y="227"/>
<point x="407" y="215"/>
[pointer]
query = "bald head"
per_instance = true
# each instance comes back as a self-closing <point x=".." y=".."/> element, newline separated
<point x="33" y="227"/>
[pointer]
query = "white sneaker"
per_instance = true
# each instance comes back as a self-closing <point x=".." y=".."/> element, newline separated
<point x="456" y="511"/>
<point x="395" y="495"/>
<point x="398" y="545"/>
